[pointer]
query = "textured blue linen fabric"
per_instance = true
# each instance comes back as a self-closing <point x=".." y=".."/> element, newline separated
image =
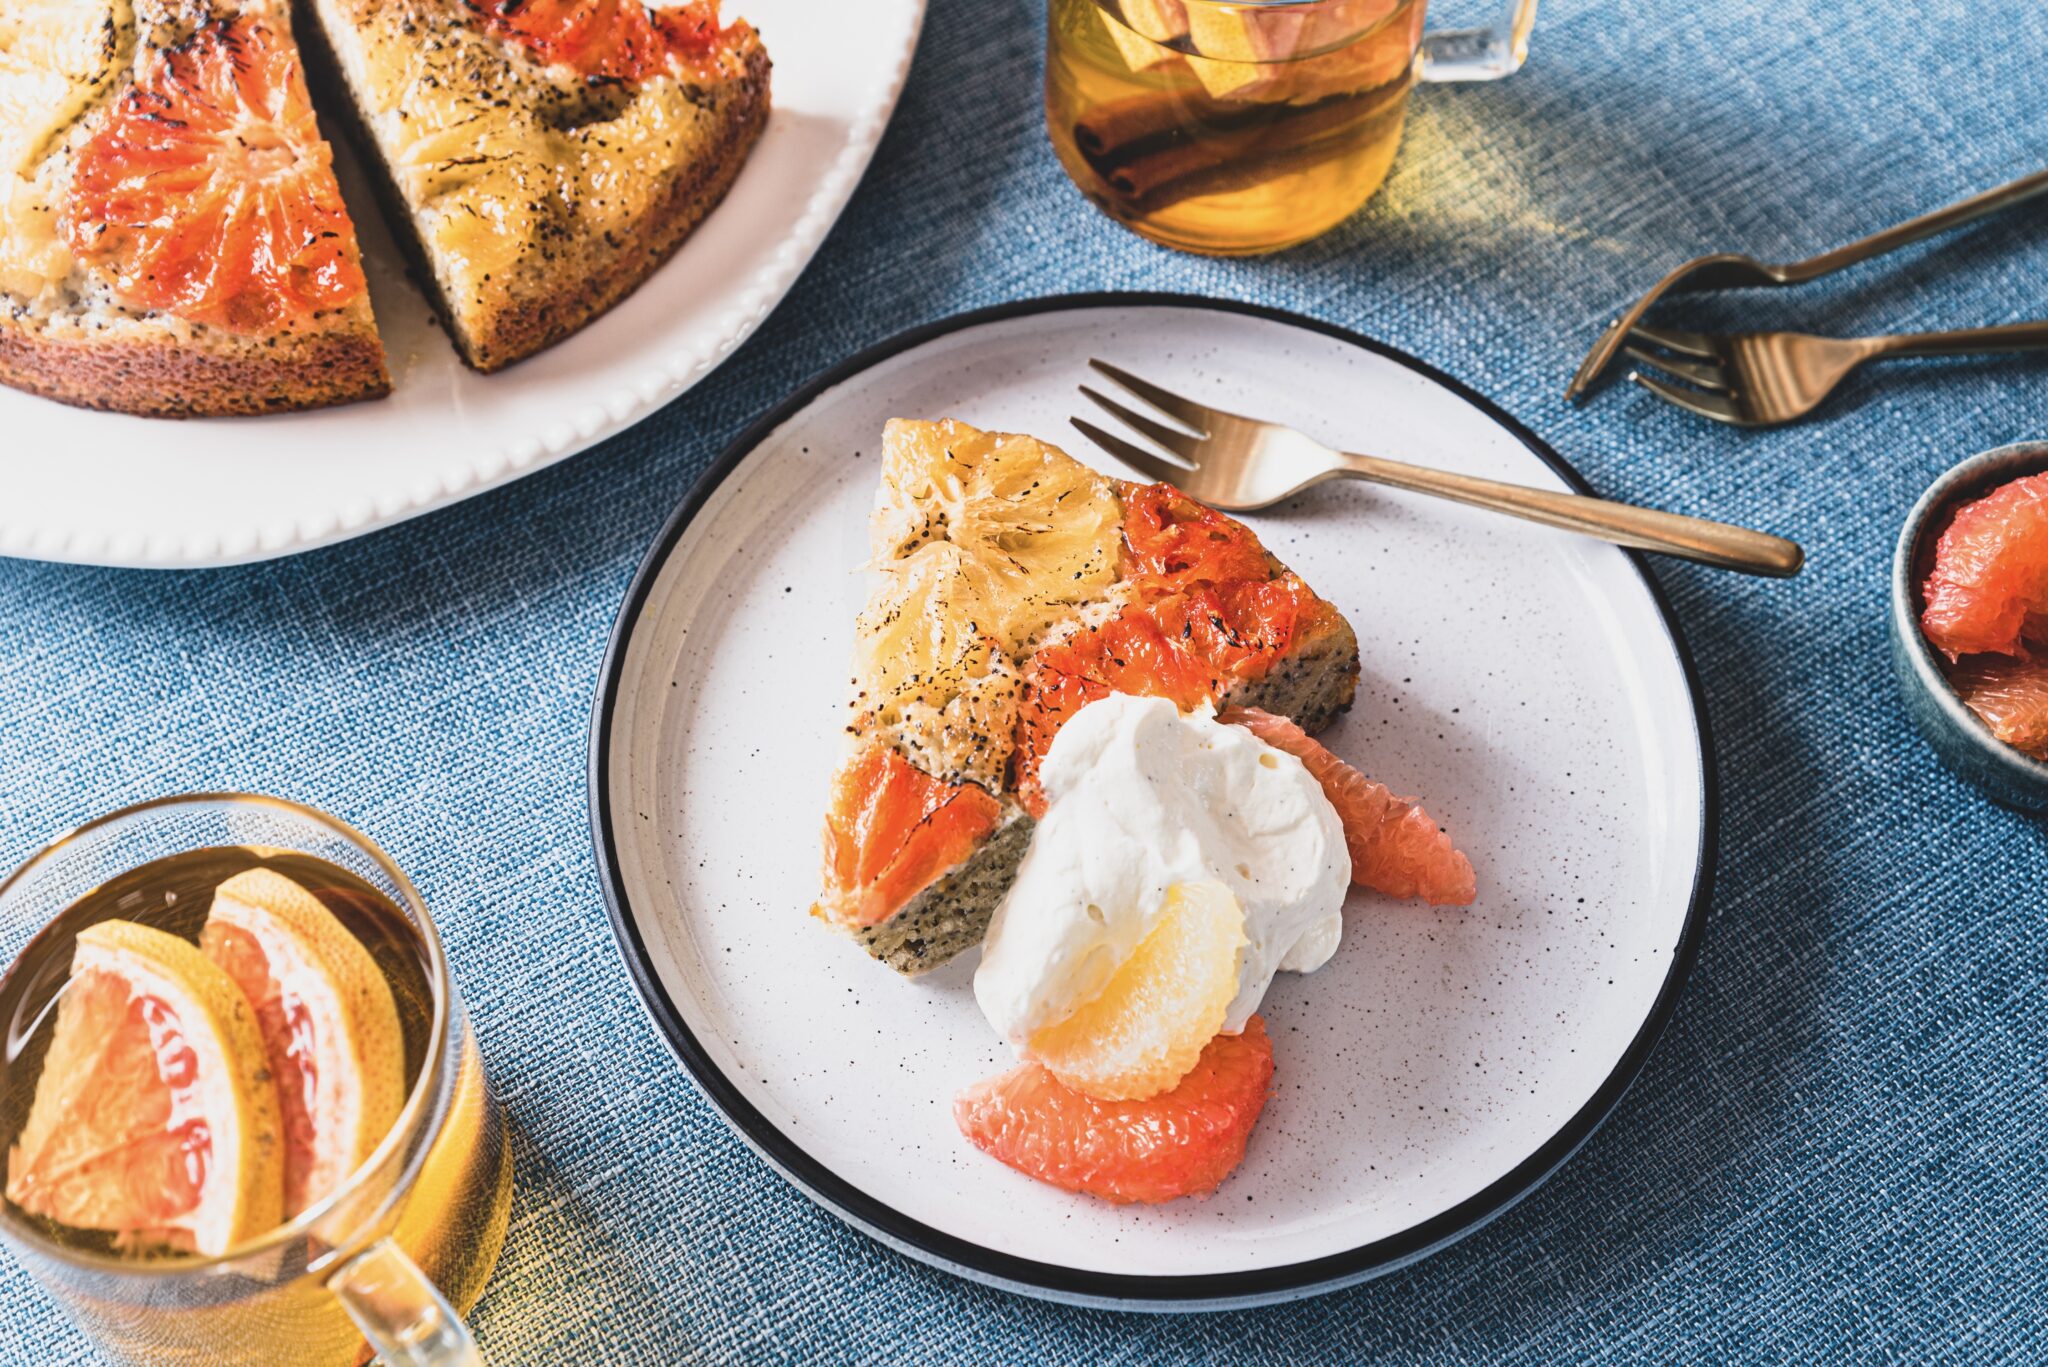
<point x="1836" y="1153"/>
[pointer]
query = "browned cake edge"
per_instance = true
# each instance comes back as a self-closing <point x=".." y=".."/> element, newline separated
<point x="214" y="374"/>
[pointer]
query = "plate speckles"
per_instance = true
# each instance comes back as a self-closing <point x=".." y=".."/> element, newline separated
<point x="1524" y="682"/>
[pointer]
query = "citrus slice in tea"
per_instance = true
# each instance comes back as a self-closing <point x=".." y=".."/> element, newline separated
<point x="329" y="1025"/>
<point x="154" y="1116"/>
<point x="1141" y="1034"/>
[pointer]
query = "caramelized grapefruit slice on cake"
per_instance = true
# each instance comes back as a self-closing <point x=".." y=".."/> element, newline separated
<point x="154" y="1116"/>
<point x="1011" y="586"/>
<point x="178" y="245"/>
<point x="208" y="192"/>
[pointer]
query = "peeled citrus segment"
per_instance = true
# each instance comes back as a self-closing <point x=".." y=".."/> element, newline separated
<point x="1396" y="848"/>
<point x="1182" y="1142"/>
<point x="154" y="1116"/>
<point x="1147" y="1027"/>
<point x="1990" y="571"/>
<point x="892" y="831"/>
<point x="2010" y="695"/>
<point x="328" y="1022"/>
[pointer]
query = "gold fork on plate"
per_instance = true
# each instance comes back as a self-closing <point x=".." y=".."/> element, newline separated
<point x="1760" y="379"/>
<point x="1242" y="464"/>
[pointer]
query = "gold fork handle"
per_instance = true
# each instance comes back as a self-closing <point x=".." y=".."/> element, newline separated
<point x="1927" y="225"/>
<point x="1691" y="538"/>
<point x="1964" y="341"/>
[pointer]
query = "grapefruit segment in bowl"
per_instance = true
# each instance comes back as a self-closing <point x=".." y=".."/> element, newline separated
<point x="329" y="1026"/>
<point x="1182" y="1142"/>
<point x="2010" y="695"/>
<point x="155" y="1117"/>
<point x="1990" y="572"/>
<point x="1396" y="847"/>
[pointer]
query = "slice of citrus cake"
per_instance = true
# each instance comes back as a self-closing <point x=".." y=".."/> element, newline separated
<point x="1012" y="586"/>
<point x="172" y="240"/>
<point x="540" y="158"/>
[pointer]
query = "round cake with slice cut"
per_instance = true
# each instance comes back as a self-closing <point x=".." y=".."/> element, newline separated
<point x="173" y="239"/>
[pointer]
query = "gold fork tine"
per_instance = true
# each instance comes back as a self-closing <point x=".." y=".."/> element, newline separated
<point x="1137" y="457"/>
<point x="1165" y="400"/>
<point x="1173" y="439"/>
<point x="1719" y="407"/>
<point x="1671" y="339"/>
<point x="1696" y="372"/>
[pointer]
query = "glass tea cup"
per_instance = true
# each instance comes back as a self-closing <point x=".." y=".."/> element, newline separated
<point x="1235" y="127"/>
<point x="387" y="1262"/>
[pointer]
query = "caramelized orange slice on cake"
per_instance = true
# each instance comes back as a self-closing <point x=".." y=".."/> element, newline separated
<point x="616" y="40"/>
<point x="891" y="831"/>
<point x="1188" y="646"/>
<point x="209" y="192"/>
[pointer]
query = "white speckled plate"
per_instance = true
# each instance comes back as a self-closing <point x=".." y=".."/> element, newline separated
<point x="1530" y="685"/>
<point x="102" y="488"/>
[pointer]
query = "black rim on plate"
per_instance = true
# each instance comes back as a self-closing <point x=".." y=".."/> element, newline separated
<point x="1047" y="1279"/>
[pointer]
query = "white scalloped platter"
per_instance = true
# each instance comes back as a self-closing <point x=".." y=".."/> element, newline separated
<point x="101" y="488"/>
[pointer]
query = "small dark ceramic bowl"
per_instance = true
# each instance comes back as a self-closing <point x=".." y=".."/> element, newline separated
<point x="1964" y="743"/>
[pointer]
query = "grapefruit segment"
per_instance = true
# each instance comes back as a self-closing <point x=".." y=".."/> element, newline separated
<point x="892" y="830"/>
<point x="209" y="192"/>
<point x="1147" y="1027"/>
<point x="1990" y="571"/>
<point x="329" y="1025"/>
<point x="1182" y="1142"/>
<point x="1396" y="848"/>
<point x="154" y="1116"/>
<point x="2010" y="695"/>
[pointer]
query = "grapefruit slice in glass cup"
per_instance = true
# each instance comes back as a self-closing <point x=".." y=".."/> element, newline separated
<point x="329" y="1026"/>
<point x="154" y="1117"/>
<point x="138" y="1273"/>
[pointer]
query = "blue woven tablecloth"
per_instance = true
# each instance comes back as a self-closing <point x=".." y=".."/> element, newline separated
<point x="1836" y="1153"/>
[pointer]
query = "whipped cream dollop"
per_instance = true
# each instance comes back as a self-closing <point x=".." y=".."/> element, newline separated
<point x="1142" y="797"/>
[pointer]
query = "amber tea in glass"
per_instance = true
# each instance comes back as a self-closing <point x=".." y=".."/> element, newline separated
<point x="1239" y="128"/>
<point x="403" y="1246"/>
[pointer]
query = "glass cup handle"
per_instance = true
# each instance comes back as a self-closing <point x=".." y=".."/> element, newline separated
<point x="1481" y="54"/>
<point x="400" y="1312"/>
